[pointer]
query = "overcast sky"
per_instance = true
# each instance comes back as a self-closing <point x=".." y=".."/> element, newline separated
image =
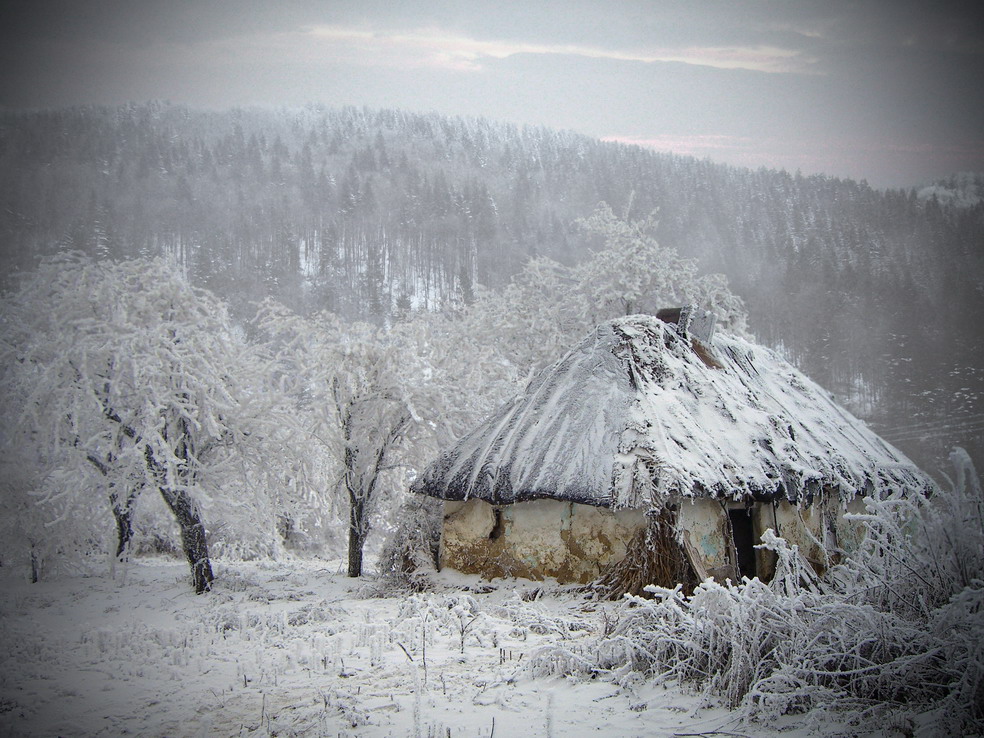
<point x="887" y="90"/>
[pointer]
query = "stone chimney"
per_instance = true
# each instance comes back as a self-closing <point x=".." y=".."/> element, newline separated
<point x="691" y="321"/>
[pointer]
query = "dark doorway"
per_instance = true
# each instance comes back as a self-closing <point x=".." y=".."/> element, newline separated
<point x="744" y="536"/>
<point x="496" y="532"/>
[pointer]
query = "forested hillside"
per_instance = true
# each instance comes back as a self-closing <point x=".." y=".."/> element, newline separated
<point x="370" y="213"/>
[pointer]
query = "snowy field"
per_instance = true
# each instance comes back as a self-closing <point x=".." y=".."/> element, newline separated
<point x="297" y="648"/>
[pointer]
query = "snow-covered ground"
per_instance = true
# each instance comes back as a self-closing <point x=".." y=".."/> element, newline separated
<point x="297" y="648"/>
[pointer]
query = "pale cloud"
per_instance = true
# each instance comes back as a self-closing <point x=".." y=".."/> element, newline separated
<point x="435" y="48"/>
<point x="887" y="89"/>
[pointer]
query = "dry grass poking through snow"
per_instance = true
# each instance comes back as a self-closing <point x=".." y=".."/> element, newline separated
<point x="295" y="648"/>
<point x="893" y="644"/>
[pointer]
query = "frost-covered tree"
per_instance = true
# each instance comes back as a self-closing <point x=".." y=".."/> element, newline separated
<point x="26" y="531"/>
<point x="126" y="378"/>
<point x="549" y="306"/>
<point x="533" y="320"/>
<point x="462" y="372"/>
<point x="633" y="273"/>
<point x="355" y="392"/>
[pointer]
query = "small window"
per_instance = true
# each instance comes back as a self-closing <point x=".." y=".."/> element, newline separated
<point x="743" y="533"/>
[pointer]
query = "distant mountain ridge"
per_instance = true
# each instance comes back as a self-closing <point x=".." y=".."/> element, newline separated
<point x="875" y="294"/>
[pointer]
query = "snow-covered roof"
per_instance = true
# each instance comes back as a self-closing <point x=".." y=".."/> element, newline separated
<point x="639" y="411"/>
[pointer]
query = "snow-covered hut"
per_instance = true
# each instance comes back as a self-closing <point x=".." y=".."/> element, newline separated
<point x="662" y="448"/>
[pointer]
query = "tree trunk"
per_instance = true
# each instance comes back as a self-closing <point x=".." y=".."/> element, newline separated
<point x="357" y="505"/>
<point x="192" y="537"/>
<point x="357" y="537"/>
<point x="186" y="512"/>
<point x="36" y="565"/>
<point x="122" y="511"/>
<point x="124" y="524"/>
<point x="124" y="531"/>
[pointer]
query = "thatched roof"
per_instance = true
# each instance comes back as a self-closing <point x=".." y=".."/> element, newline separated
<point x="639" y="410"/>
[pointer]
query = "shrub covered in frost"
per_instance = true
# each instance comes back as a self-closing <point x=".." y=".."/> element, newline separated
<point x="897" y="629"/>
<point x="410" y="553"/>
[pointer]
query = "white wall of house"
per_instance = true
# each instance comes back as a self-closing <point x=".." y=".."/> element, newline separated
<point x="575" y="543"/>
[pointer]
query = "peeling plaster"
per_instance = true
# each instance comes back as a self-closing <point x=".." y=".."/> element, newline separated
<point x="710" y="535"/>
<point x="541" y="538"/>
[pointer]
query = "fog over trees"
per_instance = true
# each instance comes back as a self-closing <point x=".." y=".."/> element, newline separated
<point x="373" y="213"/>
